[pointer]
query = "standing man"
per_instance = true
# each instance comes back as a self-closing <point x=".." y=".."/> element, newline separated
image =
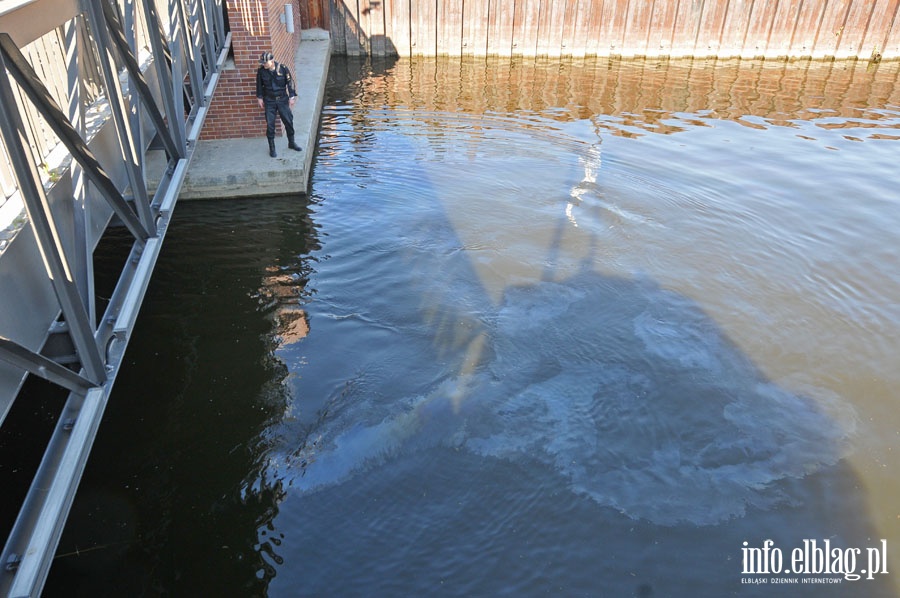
<point x="275" y="92"/>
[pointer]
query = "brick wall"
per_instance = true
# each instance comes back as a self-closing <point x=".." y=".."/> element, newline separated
<point x="256" y="27"/>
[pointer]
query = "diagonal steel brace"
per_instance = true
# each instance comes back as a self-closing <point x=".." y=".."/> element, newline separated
<point x="36" y="91"/>
<point x="121" y="44"/>
<point x="39" y="365"/>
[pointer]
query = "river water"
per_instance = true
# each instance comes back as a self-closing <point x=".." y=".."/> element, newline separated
<point x="596" y="328"/>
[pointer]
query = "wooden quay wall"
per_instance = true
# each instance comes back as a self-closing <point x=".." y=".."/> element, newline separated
<point x="771" y="29"/>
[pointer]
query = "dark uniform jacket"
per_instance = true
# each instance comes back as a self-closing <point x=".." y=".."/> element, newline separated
<point x="275" y="84"/>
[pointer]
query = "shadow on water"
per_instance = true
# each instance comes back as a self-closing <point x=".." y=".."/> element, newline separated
<point x="608" y="434"/>
<point x="628" y="391"/>
<point x="302" y="419"/>
<point x="162" y="508"/>
<point x="586" y="433"/>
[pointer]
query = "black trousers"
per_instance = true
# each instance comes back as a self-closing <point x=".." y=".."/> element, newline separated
<point x="283" y="108"/>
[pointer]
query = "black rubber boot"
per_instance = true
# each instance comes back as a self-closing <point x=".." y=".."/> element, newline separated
<point x="272" y="148"/>
<point x="293" y="146"/>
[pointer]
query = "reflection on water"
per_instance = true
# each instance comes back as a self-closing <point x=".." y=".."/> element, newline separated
<point x="638" y="97"/>
<point x="567" y="329"/>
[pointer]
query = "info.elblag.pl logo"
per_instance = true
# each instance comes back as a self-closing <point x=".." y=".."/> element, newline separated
<point x="809" y="562"/>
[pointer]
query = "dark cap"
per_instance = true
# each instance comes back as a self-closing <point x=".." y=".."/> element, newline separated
<point x="266" y="57"/>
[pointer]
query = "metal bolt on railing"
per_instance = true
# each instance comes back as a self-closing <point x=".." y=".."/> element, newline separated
<point x="12" y="563"/>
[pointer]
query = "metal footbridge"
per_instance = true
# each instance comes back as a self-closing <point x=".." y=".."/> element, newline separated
<point x="88" y="88"/>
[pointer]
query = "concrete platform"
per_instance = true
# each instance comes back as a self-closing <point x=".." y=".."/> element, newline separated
<point x="232" y="168"/>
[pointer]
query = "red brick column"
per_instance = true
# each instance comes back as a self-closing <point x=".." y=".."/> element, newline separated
<point x="256" y="27"/>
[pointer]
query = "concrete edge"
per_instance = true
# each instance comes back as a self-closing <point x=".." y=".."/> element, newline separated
<point x="242" y="168"/>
